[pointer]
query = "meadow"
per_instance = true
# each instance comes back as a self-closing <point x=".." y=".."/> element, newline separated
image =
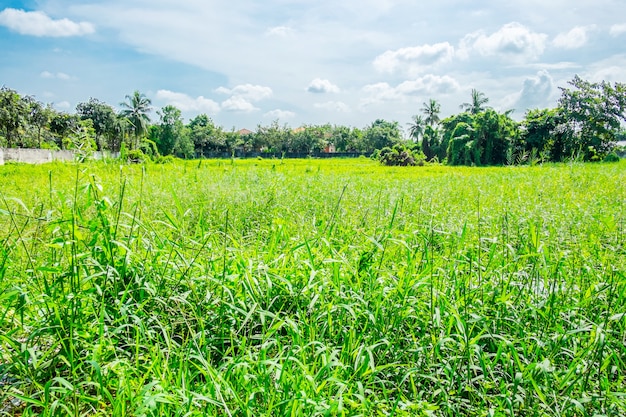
<point x="312" y="288"/>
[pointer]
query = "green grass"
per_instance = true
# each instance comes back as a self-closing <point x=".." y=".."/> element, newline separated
<point x="312" y="288"/>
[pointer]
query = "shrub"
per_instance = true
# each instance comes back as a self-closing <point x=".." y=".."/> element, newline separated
<point x="611" y="157"/>
<point x="136" y="156"/>
<point x="167" y="159"/>
<point x="399" y="155"/>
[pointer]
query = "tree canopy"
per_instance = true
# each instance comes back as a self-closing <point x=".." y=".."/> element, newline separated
<point x="585" y="124"/>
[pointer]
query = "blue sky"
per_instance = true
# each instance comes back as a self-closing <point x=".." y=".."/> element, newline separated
<point x="347" y="62"/>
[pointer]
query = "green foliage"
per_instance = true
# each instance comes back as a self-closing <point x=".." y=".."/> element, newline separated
<point x="82" y="140"/>
<point x="135" y="109"/>
<point x="611" y="157"/>
<point x="399" y="155"/>
<point x="13" y="114"/>
<point x="168" y="132"/>
<point x="103" y="118"/>
<point x="484" y="138"/>
<point x="593" y="113"/>
<point x="207" y="137"/>
<point x="136" y="156"/>
<point x="310" y="139"/>
<point x="477" y="105"/>
<point x="379" y="135"/>
<point x="167" y="159"/>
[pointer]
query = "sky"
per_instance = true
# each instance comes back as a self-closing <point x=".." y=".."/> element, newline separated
<point x="348" y="62"/>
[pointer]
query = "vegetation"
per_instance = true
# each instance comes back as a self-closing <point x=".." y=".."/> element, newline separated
<point x="585" y="125"/>
<point x="311" y="287"/>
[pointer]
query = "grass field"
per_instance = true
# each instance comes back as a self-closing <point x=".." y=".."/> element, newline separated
<point x="312" y="288"/>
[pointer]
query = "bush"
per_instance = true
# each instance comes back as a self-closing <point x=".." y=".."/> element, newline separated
<point x="399" y="155"/>
<point x="611" y="157"/>
<point x="168" y="159"/>
<point x="136" y="156"/>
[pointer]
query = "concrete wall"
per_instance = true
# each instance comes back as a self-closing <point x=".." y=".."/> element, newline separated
<point x="33" y="156"/>
<point x="40" y="156"/>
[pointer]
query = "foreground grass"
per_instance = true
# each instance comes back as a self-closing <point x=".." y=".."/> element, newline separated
<point x="280" y="288"/>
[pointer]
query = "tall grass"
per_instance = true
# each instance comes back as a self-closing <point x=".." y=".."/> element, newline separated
<point x="275" y="288"/>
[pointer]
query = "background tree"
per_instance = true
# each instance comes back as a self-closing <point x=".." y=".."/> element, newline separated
<point x="431" y="110"/>
<point x="594" y="113"/>
<point x="310" y="139"/>
<point x="62" y="126"/>
<point x="13" y="115"/>
<point x="540" y="135"/>
<point x="272" y="138"/>
<point x="103" y="119"/>
<point x="206" y="136"/>
<point x="416" y="127"/>
<point x="136" y="109"/>
<point x="379" y="135"/>
<point x="168" y="131"/>
<point x="484" y="138"/>
<point x="39" y="116"/>
<point x="477" y="103"/>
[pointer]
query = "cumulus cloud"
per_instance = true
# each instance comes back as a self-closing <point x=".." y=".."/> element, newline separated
<point x="39" y="24"/>
<point x="513" y="41"/>
<point x="612" y="70"/>
<point x="414" y="58"/>
<point x="575" y="38"/>
<point x="319" y="86"/>
<point x="238" y="104"/>
<point x="335" y="106"/>
<point x="536" y="92"/>
<point x="617" y="30"/>
<point x="188" y="103"/>
<point x="247" y="91"/>
<point x="428" y="85"/>
<point x="58" y="75"/>
<point x="280" y="114"/>
<point x="243" y="97"/>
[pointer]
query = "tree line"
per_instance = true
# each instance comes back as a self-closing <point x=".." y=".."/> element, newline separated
<point x="586" y="124"/>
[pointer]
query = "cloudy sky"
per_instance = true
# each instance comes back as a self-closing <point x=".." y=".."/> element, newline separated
<point x="347" y="62"/>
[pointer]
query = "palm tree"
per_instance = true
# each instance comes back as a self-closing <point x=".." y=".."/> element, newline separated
<point x="135" y="110"/>
<point x="416" y="128"/>
<point x="478" y="102"/>
<point x="431" y="110"/>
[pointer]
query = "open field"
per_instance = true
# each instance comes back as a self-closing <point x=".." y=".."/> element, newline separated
<point x="310" y="287"/>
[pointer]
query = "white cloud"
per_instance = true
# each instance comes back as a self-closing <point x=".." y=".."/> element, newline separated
<point x="335" y="106"/>
<point x="575" y="38"/>
<point x="238" y="104"/>
<point x="247" y="91"/>
<point x="243" y="96"/>
<point x="554" y="66"/>
<point x="280" y="31"/>
<point x="62" y="105"/>
<point x="414" y="58"/>
<point x="536" y="92"/>
<point x="319" y="85"/>
<point x="188" y="103"/>
<point x="280" y="114"/>
<point x="39" y="24"/>
<point x="513" y="41"/>
<point x="429" y="85"/>
<point x="58" y="75"/>
<point x="617" y="30"/>
<point x="612" y="69"/>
